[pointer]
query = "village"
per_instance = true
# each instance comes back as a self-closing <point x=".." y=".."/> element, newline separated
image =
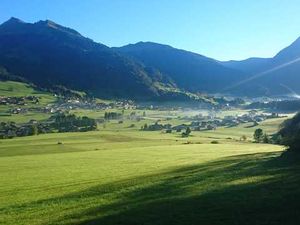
<point x="16" y="105"/>
<point x="211" y="122"/>
<point x="115" y="111"/>
<point x="18" y="100"/>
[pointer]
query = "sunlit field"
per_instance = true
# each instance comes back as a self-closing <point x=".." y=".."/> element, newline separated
<point x="139" y="177"/>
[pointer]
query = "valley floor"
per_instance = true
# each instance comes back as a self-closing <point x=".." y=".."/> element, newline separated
<point x="134" y="177"/>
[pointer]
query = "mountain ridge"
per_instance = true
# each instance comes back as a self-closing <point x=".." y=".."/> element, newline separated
<point x="47" y="53"/>
<point x="189" y="70"/>
<point x="277" y="75"/>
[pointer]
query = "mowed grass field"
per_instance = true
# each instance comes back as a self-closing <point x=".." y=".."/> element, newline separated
<point x="127" y="176"/>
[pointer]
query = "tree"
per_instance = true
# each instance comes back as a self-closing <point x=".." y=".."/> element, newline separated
<point x="35" y="130"/>
<point x="276" y="139"/>
<point x="266" y="138"/>
<point x="145" y="127"/>
<point x="188" y="131"/>
<point x="258" y="134"/>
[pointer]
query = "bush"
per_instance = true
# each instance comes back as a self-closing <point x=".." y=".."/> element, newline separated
<point x="290" y="133"/>
<point x="266" y="139"/>
<point x="169" y="131"/>
<point x="187" y="132"/>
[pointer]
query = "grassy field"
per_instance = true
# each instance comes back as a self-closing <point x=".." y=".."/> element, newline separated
<point x="121" y="175"/>
<point x="18" y="89"/>
<point x="125" y="176"/>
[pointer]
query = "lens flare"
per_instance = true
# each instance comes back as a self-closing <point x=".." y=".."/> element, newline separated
<point x="262" y="74"/>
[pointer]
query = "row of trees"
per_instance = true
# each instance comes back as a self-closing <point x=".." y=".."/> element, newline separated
<point x="59" y="122"/>
<point x="11" y="129"/>
<point x="286" y="105"/>
<point x="155" y="127"/>
<point x="112" y="115"/>
<point x="288" y="135"/>
<point x="260" y="136"/>
<point x="168" y="127"/>
<point x="71" y="123"/>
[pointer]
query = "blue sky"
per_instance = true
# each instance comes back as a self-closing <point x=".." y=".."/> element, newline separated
<point x="222" y="29"/>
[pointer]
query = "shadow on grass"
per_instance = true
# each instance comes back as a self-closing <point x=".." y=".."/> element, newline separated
<point x="247" y="189"/>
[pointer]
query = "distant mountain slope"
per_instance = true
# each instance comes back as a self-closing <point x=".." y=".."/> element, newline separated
<point x="189" y="70"/>
<point x="5" y="76"/>
<point x="249" y="66"/>
<point x="47" y="54"/>
<point x="272" y="76"/>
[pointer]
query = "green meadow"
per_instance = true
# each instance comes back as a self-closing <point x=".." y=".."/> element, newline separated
<point x="121" y="175"/>
<point x="18" y="89"/>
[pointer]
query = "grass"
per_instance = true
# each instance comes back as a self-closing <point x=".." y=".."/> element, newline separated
<point x="15" y="89"/>
<point x="23" y="118"/>
<point x="269" y="126"/>
<point x="121" y="175"/>
<point x="134" y="177"/>
<point x="19" y="89"/>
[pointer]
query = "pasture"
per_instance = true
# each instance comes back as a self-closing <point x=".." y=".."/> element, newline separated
<point x="126" y="176"/>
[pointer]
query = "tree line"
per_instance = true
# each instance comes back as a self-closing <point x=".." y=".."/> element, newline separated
<point x="57" y="123"/>
<point x="288" y="135"/>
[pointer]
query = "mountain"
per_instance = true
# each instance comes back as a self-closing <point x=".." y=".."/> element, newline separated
<point x="249" y="66"/>
<point x="190" y="71"/>
<point x="271" y="76"/>
<point x="49" y="54"/>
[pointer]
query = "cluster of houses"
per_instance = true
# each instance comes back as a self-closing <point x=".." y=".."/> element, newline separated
<point x="11" y="129"/>
<point x="197" y="126"/>
<point x="210" y="122"/>
<point x="18" y="110"/>
<point x="59" y="122"/>
<point x="252" y="116"/>
<point x="72" y="104"/>
<point x="62" y="105"/>
<point x="156" y="126"/>
<point x="18" y="100"/>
